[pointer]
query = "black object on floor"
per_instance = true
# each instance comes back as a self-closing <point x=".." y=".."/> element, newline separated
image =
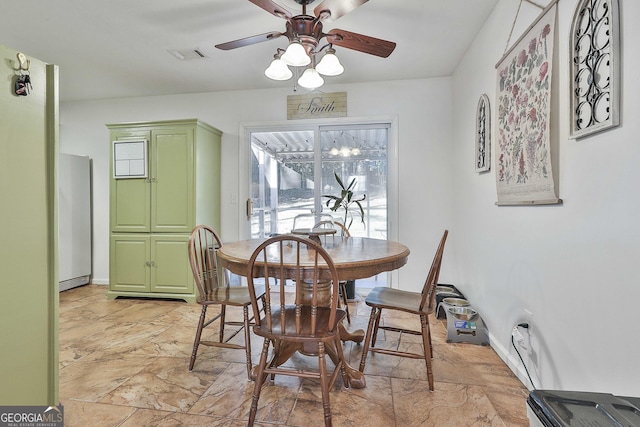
<point x="556" y="408"/>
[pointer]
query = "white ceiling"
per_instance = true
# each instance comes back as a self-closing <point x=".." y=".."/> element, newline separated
<point x="119" y="48"/>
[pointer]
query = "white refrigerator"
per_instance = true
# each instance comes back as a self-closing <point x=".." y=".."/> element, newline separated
<point x="74" y="220"/>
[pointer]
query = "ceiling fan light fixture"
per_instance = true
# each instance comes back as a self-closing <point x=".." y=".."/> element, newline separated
<point x="310" y="79"/>
<point x="278" y="70"/>
<point x="330" y="65"/>
<point x="304" y="32"/>
<point x="296" y="55"/>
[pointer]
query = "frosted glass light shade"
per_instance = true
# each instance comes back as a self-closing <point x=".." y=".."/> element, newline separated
<point x="296" y="56"/>
<point x="278" y="70"/>
<point x="330" y="65"/>
<point x="310" y="79"/>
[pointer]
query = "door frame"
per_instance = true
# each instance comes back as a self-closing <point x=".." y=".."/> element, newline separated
<point x="244" y="162"/>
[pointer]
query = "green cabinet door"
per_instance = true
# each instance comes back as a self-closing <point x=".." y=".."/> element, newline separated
<point x="143" y="263"/>
<point x="130" y="199"/>
<point x="172" y="180"/>
<point x="130" y="263"/>
<point x="163" y="202"/>
<point x="170" y="269"/>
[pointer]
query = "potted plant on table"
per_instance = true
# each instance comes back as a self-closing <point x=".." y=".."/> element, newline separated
<point x="347" y="201"/>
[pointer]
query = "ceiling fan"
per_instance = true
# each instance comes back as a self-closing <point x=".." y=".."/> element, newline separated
<point x="305" y="31"/>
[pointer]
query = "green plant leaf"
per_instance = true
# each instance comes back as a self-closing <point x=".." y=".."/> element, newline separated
<point x="345" y="201"/>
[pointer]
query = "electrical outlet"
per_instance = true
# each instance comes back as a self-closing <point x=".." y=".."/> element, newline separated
<point x="519" y="338"/>
<point x="528" y="316"/>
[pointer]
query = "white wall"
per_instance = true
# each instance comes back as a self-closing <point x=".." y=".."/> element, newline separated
<point x="574" y="266"/>
<point x="422" y="109"/>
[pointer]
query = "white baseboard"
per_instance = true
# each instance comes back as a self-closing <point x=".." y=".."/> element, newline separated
<point x="74" y="282"/>
<point x="511" y="360"/>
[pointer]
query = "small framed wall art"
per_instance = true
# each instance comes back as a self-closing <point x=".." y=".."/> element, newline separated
<point x="483" y="135"/>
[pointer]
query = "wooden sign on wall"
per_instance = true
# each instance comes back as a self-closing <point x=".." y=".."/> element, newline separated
<point x="317" y="105"/>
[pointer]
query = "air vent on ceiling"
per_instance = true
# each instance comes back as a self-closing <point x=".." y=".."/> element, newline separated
<point x="185" y="54"/>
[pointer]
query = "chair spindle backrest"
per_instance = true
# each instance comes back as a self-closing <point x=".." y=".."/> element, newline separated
<point x="203" y="248"/>
<point x="429" y="288"/>
<point x="344" y="231"/>
<point x="294" y="260"/>
<point x="307" y="220"/>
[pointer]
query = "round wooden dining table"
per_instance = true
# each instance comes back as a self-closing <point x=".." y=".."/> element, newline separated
<point x="354" y="258"/>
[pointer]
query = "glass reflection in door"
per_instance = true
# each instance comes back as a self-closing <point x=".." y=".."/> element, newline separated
<point x="282" y="180"/>
<point x="360" y="153"/>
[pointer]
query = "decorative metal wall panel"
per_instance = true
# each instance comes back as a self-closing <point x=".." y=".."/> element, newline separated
<point x="595" y="67"/>
<point x="483" y="135"/>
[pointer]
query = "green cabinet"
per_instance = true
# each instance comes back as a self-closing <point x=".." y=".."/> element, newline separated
<point x="151" y="217"/>
<point x="150" y="265"/>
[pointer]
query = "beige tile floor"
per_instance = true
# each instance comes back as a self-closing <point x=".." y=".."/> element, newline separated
<point x="125" y="363"/>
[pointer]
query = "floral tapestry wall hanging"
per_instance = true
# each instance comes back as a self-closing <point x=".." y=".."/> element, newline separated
<point x="523" y="157"/>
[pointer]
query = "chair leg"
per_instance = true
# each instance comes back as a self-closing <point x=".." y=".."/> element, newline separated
<point x="343" y="368"/>
<point x="430" y="342"/>
<point x="223" y="311"/>
<point x="247" y="339"/>
<point x="277" y="346"/>
<point x="424" y="322"/>
<point x="196" y="342"/>
<point x="260" y="377"/>
<point x="322" y="365"/>
<point x="343" y="291"/>
<point x="375" y="329"/>
<point x="367" y="338"/>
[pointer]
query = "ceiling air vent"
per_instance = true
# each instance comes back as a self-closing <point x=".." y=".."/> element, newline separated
<point x="185" y="54"/>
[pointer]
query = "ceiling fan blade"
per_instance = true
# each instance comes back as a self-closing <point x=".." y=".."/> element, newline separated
<point x="272" y="8"/>
<point x="336" y="9"/>
<point x="248" y="41"/>
<point x="359" y="42"/>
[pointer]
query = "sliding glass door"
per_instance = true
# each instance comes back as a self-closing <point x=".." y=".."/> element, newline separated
<point x="282" y="180"/>
<point x="291" y="171"/>
<point x="357" y="153"/>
